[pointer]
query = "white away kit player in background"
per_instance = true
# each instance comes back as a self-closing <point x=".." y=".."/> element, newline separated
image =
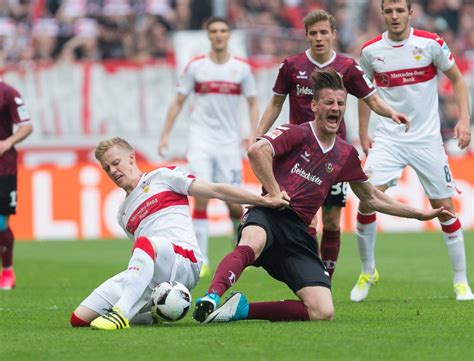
<point x="404" y="63"/>
<point x="218" y="81"/>
<point x="156" y="215"/>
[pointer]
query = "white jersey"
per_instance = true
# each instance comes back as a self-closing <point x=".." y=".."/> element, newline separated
<point x="159" y="207"/>
<point x="406" y="76"/>
<point x="215" y="115"/>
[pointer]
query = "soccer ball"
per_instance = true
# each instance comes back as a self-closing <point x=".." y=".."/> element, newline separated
<point x="170" y="301"/>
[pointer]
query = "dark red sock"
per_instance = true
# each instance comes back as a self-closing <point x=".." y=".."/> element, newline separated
<point x="77" y="322"/>
<point x="330" y="244"/>
<point x="230" y="268"/>
<point x="288" y="310"/>
<point x="6" y="247"/>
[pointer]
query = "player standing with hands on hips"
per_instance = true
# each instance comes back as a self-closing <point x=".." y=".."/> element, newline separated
<point x="404" y="62"/>
<point x="294" y="79"/>
<point x="13" y="114"/>
<point x="214" y="154"/>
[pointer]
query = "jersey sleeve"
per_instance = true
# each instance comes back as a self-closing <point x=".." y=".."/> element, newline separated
<point x="186" y="81"/>
<point x="442" y="57"/>
<point x="17" y="109"/>
<point x="249" y="87"/>
<point x="282" y="82"/>
<point x="366" y="65"/>
<point x="283" y="138"/>
<point x="177" y="179"/>
<point x="352" y="170"/>
<point x="357" y="82"/>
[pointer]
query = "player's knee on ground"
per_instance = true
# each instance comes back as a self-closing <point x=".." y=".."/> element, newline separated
<point x="320" y="312"/>
<point x="319" y="305"/>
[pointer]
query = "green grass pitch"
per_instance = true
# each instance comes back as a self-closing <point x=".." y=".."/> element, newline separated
<point x="410" y="315"/>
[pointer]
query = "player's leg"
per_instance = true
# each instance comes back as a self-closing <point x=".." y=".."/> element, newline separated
<point x="8" y="186"/>
<point x="135" y="283"/>
<point x="228" y="170"/>
<point x="383" y="166"/>
<point x="251" y="244"/>
<point x="432" y="168"/>
<point x="201" y="228"/>
<point x="331" y="216"/>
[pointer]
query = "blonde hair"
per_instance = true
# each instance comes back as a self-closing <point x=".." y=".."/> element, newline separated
<point x="106" y="144"/>
<point x="317" y="16"/>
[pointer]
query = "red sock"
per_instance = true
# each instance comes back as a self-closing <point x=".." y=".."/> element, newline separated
<point x="288" y="310"/>
<point x="77" y="322"/>
<point x="330" y="244"/>
<point x="6" y="247"/>
<point x="230" y="268"/>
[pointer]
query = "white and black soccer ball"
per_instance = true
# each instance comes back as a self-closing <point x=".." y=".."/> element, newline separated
<point x="170" y="301"/>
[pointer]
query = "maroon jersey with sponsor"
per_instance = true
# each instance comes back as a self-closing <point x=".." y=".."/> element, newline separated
<point x="12" y="111"/>
<point x="294" y="78"/>
<point x="306" y="171"/>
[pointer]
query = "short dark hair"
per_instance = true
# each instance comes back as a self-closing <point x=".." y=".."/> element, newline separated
<point x="217" y="19"/>
<point x="408" y="2"/>
<point x="325" y="79"/>
<point x="316" y="16"/>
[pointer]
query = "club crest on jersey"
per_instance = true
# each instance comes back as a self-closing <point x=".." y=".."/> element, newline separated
<point x="302" y="75"/>
<point x="145" y="186"/>
<point x="417" y="53"/>
<point x="329" y="167"/>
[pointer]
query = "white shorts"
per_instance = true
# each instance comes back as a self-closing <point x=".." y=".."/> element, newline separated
<point x="169" y="266"/>
<point x="385" y="164"/>
<point x="214" y="162"/>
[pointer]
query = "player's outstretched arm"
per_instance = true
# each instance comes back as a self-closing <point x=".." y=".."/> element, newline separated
<point x="271" y="113"/>
<point x="364" y="118"/>
<point x="379" y="106"/>
<point x="379" y="201"/>
<point x="173" y="112"/>
<point x="229" y="193"/>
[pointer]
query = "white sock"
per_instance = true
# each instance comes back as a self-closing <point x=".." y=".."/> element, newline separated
<point x="201" y="227"/>
<point x="137" y="278"/>
<point x="454" y="240"/>
<point x="366" y="233"/>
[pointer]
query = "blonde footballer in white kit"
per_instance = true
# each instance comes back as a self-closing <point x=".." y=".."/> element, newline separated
<point x="404" y="63"/>
<point x="218" y="81"/>
<point x="156" y="215"/>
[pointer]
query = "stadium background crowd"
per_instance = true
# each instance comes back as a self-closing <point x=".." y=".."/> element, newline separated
<point x="35" y="32"/>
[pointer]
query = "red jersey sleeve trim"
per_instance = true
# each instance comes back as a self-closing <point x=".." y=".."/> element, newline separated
<point x="428" y="35"/>
<point x="193" y="60"/>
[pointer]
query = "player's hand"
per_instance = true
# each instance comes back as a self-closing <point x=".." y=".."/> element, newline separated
<point x="281" y="200"/>
<point x="401" y="118"/>
<point x="4" y="146"/>
<point x="433" y="213"/>
<point x="163" y="147"/>
<point x="366" y="143"/>
<point x="462" y="132"/>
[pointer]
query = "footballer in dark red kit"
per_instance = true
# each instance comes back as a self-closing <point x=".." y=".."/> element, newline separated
<point x="15" y="125"/>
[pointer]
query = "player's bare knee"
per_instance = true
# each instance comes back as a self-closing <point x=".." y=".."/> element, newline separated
<point x="320" y="312"/>
<point x="254" y="237"/>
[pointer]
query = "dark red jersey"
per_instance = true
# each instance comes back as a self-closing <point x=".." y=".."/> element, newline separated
<point x="294" y="78"/>
<point x="12" y="112"/>
<point x="306" y="171"/>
